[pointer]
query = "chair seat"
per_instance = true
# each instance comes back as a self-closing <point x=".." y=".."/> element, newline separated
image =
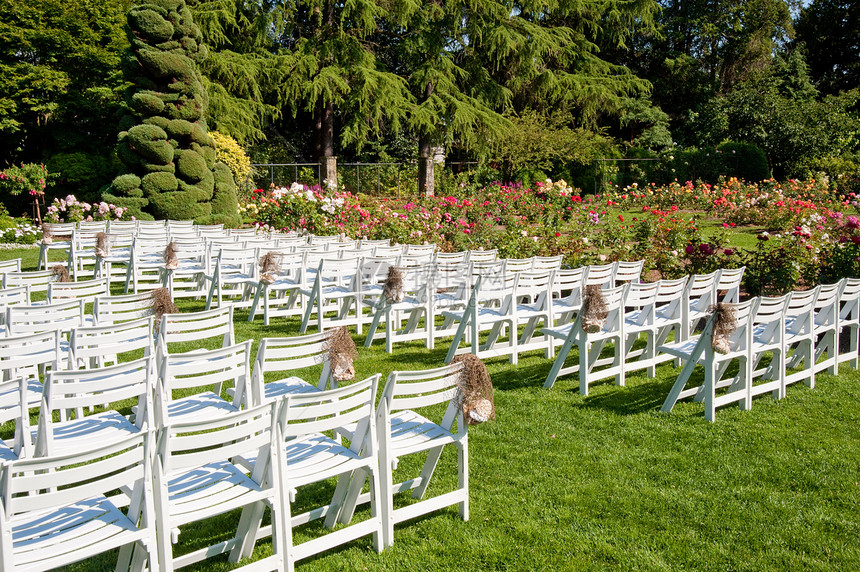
<point x="286" y="386"/>
<point x="210" y="490"/>
<point x="90" y="432"/>
<point x="198" y="407"/>
<point x="680" y="349"/>
<point x="43" y="541"/>
<point x="6" y="452"/>
<point x="411" y="432"/>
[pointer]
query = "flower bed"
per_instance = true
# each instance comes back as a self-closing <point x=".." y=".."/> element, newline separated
<point x="808" y="236"/>
<point x="70" y="209"/>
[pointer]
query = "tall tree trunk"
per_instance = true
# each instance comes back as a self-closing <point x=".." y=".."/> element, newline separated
<point x="426" y="179"/>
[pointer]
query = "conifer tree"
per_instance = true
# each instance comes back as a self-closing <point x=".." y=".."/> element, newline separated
<point x="164" y="142"/>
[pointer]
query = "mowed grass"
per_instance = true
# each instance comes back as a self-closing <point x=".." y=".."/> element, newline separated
<point x="562" y="482"/>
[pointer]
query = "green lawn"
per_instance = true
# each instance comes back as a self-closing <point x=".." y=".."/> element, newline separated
<point x="562" y="482"/>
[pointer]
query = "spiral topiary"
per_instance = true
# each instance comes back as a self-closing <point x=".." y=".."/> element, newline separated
<point x="164" y="144"/>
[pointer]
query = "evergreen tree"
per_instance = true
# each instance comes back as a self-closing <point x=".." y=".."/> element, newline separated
<point x="830" y="30"/>
<point x="165" y="144"/>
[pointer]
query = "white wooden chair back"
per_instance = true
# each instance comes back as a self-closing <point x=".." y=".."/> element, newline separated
<point x="195" y="327"/>
<point x="827" y="308"/>
<point x="97" y="345"/>
<point x="11" y="265"/>
<point x="64" y="316"/>
<point x="419" y="249"/>
<point x="628" y="271"/>
<point x="670" y="295"/>
<point x="547" y="262"/>
<point x="641" y="297"/>
<point x="518" y="264"/>
<point x="86" y="290"/>
<point x="15" y="400"/>
<point x="20" y="295"/>
<point x="20" y="355"/>
<point x="483" y="255"/>
<point x="729" y="280"/>
<point x="450" y="257"/>
<point x="602" y="275"/>
<point x="116" y="309"/>
<point x="37" y="280"/>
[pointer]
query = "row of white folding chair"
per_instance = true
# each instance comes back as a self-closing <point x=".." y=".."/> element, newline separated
<point x="401" y="440"/>
<point x="634" y="310"/>
<point x="533" y="263"/>
<point x="799" y="332"/>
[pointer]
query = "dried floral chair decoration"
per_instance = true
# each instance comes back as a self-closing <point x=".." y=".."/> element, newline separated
<point x="171" y="258"/>
<point x="102" y="245"/>
<point x="342" y="354"/>
<point x="392" y="288"/>
<point x="61" y="272"/>
<point x="162" y="304"/>
<point x="725" y="324"/>
<point x="594" y="309"/>
<point x="269" y="267"/>
<point x="476" y="390"/>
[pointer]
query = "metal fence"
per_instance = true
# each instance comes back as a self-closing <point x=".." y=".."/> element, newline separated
<point x="379" y="179"/>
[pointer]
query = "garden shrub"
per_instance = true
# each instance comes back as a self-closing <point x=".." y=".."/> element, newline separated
<point x="166" y="146"/>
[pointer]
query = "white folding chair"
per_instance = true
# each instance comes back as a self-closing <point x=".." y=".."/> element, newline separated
<point x="450" y="287"/>
<point x="547" y="262"/>
<point x="60" y="239"/>
<point x="146" y="264"/>
<point x="280" y="295"/>
<point x="404" y="430"/>
<point x="114" y="261"/>
<point x="591" y="366"/>
<point x="336" y="288"/>
<point x="234" y="269"/>
<point x="768" y="339"/>
<point x="70" y="393"/>
<point x="29" y="355"/>
<point x="640" y="320"/>
<point x="699" y="350"/>
<point x="799" y="339"/>
<point x="450" y="257"/>
<point x="602" y="275"/>
<point x="55" y="513"/>
<point x="567" y="294"/>
<point x="826" y="326"/>
<point x="287" y="359"/>
<point x="490" y="307"/>
<point x="483" y="255"/>
<point x="849" y="322"/>
<point x="415" y="305"/>
<point x="37" y="281"/>
<point x="311" y="457"/>
<point x="196" y="480"/>
<point x="14" y="397"/>
<point x="518" y="264"/>
<point x="186" y="280"/>
<point x="191" y="385"/>
<point x="669" y="313"/>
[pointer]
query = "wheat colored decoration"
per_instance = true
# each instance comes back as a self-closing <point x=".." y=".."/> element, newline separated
<point x="269" y="267"/>
<point x="725" y="324"/>
<point x="171" y="258"/>
<point x="47" y="237"/>
<point x="392" y="288"/>
<point x="61" y="272"/>
<point x="342" y="353"/>
<point x="101" y="244"/>
<point x="593" y="309"/>
<point x="162" y="304"/>
<point x="476" y="390"/>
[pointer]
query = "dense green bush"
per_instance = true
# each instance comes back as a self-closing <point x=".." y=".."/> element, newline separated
<point x="166" y="148"/>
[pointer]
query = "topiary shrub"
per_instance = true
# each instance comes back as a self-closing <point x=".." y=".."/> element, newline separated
<point x="165" y="145"/>
<point x="229" y="152"/>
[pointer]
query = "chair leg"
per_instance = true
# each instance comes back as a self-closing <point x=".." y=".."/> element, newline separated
<point x="559" y="361"/>
<point x="427" y="471"/>
<point x="246" y="532"/>
<point x="463" y="478"/>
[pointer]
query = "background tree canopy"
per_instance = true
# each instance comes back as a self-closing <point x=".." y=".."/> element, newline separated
<point x="533" y="87"/>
